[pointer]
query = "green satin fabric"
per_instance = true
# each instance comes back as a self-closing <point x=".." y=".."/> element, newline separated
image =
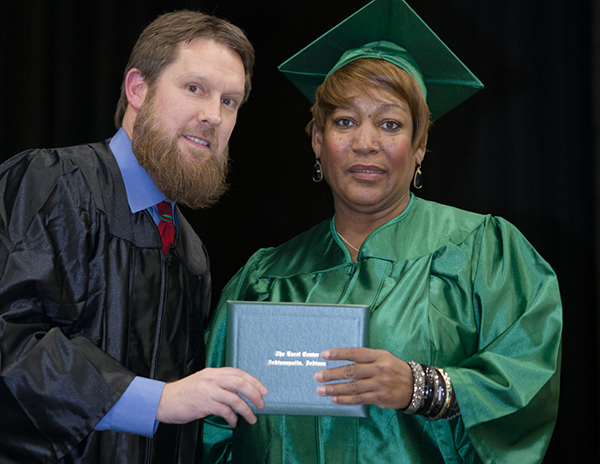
<point x="448" y="288"/>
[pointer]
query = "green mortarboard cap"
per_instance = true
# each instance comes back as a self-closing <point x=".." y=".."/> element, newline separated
<point x="392" y="31"/>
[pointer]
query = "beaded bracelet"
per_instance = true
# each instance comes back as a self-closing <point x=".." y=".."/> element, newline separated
<point x="433" y="396"/>
<point x="418" y="396"/>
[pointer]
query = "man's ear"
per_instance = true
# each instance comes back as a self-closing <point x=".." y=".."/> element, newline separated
<point x="136" y="88"/>
<point x="317" y="141"/>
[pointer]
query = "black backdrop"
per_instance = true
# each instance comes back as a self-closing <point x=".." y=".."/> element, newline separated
<point x="522" y="148"/>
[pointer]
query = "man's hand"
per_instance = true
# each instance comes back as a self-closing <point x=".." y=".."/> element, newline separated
<point x="377" y="377"/>
<point x="211" y="391"/>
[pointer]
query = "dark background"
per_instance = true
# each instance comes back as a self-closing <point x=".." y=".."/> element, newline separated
<point x="523" y="148"/>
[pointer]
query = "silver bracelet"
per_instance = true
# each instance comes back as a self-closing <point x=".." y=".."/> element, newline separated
<point x="418" y="395"/>
<point x="433" y="396"/>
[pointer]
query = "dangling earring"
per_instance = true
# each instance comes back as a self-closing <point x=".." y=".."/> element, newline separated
<point x="317" y="173"/>
<point x="418" y="179"/>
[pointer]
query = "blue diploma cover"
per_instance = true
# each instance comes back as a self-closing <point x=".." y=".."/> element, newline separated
<point x="280" y="345"/>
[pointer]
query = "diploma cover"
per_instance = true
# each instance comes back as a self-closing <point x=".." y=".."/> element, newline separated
<point x="280" y="344"/>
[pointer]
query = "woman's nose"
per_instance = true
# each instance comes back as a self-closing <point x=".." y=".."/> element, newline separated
<point x="366" y="140"/>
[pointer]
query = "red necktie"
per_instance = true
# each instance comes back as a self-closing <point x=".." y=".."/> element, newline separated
<point x="165" y="226"/>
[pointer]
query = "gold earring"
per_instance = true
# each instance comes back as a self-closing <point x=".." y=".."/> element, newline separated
<point x="317" y="172"/>
<point x="418" y="179"/>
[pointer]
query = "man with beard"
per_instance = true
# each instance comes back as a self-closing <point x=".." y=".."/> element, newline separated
<point x="105" y="287"/>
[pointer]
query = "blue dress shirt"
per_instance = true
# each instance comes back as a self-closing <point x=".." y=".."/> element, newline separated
<point x="135" y="411"/>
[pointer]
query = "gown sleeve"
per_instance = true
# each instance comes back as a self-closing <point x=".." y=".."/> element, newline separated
<point x="55" y="382"/>
<point x="508" y="390"/>
<point x="217" y="434"/>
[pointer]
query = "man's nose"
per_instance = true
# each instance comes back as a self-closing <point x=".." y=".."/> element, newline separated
<point x="209" y="111"/>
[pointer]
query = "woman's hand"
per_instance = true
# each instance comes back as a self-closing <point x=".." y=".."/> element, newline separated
<point x="376" y="377"/>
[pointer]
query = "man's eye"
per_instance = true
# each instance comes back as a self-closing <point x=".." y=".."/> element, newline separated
<point x="193" y="88"/>
<point x="228" y="101"/>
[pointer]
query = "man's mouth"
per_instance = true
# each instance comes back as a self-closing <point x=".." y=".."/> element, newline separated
<point x="197" y="140"/>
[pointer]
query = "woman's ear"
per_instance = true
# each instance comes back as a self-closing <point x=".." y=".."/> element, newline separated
<point x="136" y="88"/>
<point x="317" y="141"/>
<point x="420" y="154"/>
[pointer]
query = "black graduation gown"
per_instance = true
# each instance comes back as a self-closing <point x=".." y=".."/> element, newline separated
<point x="87" y="301"/>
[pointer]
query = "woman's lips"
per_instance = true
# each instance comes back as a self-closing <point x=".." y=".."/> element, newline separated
<point x="366" y="172"/>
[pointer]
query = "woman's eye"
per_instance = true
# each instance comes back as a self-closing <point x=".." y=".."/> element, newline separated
<point x="343" y="122"/>
<point x="391" y="125"/>
<point x="193" y="88"/>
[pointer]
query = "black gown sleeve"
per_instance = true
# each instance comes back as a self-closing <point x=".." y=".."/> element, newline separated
<point x="56" y="382"/>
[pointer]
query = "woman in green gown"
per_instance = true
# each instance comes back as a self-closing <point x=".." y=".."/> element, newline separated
<point x="466" y="318"/>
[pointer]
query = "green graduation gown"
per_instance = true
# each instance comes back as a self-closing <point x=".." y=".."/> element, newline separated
<point x="447" y="288"/>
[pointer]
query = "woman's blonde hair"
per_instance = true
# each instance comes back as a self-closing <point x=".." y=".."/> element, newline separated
<point x="366" y="75"/>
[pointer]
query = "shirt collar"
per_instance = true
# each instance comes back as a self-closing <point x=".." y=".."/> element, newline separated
<point x="142" y="193"/>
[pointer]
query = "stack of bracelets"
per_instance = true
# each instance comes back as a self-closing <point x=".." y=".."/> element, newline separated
<point x="433" y="396"/>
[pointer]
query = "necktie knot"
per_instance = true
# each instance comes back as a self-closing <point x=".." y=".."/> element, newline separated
<point x="166" y="211"/>
<point x="166" y="226"/>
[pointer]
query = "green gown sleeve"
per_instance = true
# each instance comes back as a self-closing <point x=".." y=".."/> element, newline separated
<point x="217" y="434"/>
<point x="508" y="390"/>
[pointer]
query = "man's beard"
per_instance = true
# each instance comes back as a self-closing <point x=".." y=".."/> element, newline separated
<point x="194" y="184"/>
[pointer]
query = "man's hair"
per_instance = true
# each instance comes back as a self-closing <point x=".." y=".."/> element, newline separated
<point x="363" y="76"/>
<point x="157" y="47"/>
